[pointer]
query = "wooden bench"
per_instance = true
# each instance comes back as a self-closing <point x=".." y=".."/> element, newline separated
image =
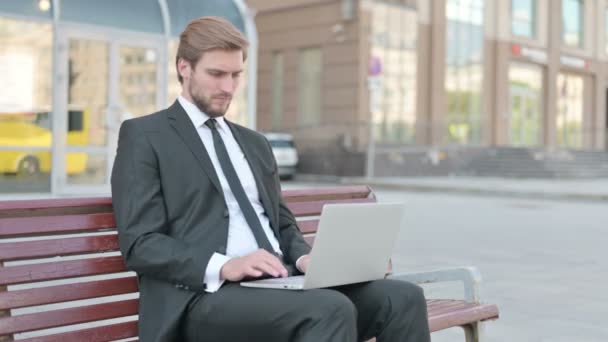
<point x="62" y="277"/>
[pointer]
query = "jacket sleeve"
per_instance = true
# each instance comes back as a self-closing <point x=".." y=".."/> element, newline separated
<point x="141" y="218"/>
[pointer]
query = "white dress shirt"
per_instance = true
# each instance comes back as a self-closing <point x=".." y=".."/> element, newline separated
<point x="241" y="240"/>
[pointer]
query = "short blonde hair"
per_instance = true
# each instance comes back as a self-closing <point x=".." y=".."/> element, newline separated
<point x="206" y="34"/>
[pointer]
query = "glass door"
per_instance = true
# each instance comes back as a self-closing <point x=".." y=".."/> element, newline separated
<point x="525" y="94"/>
<point x="103" y="81"/>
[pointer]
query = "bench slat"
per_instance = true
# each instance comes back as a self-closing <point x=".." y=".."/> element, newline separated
<point x="56" y="203"/>
<point x="329" y="193"/>
<point x="315" y="207"/>
<point x="60" y="270"/>
<point x="69" y="292"/>
<point x="309" y="226"/>
<point x="98" y="334"/>
<point x="460" y="315"/>
<point x="24" y="226"/>
<point x="58" y="247"/>
<point x="62" y="317"/>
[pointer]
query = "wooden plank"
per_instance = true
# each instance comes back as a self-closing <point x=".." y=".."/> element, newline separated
<point x="310" y="239"/>
<point x="26" y="226"/>
<point x="63" y="293"/>
<point x="60" y="270"/>
<point x="315" y="207"/>
<point x="329" y="193"/>
<point x="55" y="203"/>
<point x="308" y="227"/>
<point x="461" y="315"/>
<point x="62" y="317"/>
<point x="98" y="334"/>
<point x="58" y="247"/>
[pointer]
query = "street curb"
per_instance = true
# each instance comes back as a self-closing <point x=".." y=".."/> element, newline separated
<point x="561" y="196"/>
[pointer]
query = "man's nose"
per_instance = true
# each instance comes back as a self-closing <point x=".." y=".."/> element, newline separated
<point x="227" y="85"/>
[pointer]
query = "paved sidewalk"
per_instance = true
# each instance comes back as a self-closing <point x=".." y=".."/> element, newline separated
<point x="595" y="190"/>
<point x="559" y="189"/>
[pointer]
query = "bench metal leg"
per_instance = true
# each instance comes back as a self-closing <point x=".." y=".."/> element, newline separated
<point x="473" y="332"/>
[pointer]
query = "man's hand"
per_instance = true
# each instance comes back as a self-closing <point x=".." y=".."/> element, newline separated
<point x="302" y="263"/>
<point x="253" y="265"/>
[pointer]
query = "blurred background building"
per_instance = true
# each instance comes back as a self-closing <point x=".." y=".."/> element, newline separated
<point x="366" y="87"/>
<point x="71" y="71"/>
<point x="406" y="87"/>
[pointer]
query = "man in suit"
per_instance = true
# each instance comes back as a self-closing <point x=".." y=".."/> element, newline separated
<point x="198" y="207"/>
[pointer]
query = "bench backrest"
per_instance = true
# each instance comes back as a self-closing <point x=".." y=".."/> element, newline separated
<point x="60" y="265"/>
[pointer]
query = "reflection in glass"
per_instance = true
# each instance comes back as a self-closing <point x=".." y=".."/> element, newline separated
<point x="87" y="93"/>
<point x="606" y="30"/>
<point x="173" y="86"/>
<point x="523" y="16"/>
<point x="87" y="168"/>
<point x="277" y="91"/>
<point x="137" y="82"/>
<point x="572" y="22"/>
<point x="310" y="67"/>
<point x="25" y="104"/>
<point x="393" y="71"/>
<point x="464" y="70"/>
<point x="526" y="97"/>
<point x="569" y="120"/>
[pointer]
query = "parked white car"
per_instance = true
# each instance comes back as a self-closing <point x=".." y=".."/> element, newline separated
<point x="285" y="153"/>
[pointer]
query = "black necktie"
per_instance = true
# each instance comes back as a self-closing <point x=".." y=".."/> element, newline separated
<point x="237" y="189"/>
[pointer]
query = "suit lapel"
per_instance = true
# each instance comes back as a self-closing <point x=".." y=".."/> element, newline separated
<point x="253" y="161"/>
<point x="187" y="132"/>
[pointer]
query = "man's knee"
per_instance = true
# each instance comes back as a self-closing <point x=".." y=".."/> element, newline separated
<point x="335" y="305"/>
<point x="405" y="295"/>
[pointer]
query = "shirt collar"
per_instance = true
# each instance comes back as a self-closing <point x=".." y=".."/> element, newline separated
<point x="198" y="117"/>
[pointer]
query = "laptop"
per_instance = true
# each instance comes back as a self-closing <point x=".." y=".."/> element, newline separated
<point x="354" y="243"/>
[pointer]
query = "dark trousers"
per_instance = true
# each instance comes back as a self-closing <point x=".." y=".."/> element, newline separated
<point x="390" y="310"/>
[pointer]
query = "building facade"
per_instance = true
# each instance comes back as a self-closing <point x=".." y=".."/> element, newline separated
<point x="357" y="82"/>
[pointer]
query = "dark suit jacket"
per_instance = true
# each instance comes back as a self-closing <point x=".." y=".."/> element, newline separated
<point x="172" y="216"/>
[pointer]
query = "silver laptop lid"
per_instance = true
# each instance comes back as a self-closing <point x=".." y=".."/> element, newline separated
<point x="354" y="243"/>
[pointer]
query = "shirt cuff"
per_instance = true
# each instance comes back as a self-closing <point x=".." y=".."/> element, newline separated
<point x="298" y="263"/>
<point x="212" y="273"/>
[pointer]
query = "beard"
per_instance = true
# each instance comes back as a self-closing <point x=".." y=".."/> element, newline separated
<point x="204" y="103"/>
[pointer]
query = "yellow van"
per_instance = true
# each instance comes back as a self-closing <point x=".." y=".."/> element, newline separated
<point x="32" y="130"/>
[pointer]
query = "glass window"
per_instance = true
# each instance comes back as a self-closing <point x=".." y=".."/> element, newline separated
<point x="525" y="91"/>
<point x="115" y="13"/>
<point x="143" y="74"/>
<point x="278" y="70"/>
<point x="569" y="120"/>
<point x="25" y="106"/>
<point x="173" y="85"/>
<point x="393" y="71"/>
<point x="31" y="8"/>
<point x="523" y="18"/>
<point x="464" y="70"/>
<point x="88" y="111"/>
<point x="606" y="30"/>
<point x="309" y="86"/>
<point x="572" y="22"/>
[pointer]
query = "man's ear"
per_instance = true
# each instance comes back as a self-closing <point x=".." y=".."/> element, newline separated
<point x="184" y="68"/>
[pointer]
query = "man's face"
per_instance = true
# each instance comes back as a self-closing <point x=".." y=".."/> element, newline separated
<point x="212" y="82"/>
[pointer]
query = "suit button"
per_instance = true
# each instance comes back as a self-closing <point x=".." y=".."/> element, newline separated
<point x="226" y="213"/>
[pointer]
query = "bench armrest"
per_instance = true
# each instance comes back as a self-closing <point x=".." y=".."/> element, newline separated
<point x="469" y="276"/>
